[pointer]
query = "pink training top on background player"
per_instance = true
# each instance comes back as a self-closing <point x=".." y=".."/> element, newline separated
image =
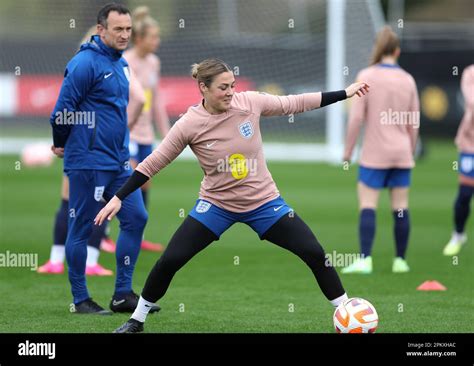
<point x="390" y="115"/>
<point x="229" y="148"/>
<point x="147" y="71"/>
<point x="465" y="136"/>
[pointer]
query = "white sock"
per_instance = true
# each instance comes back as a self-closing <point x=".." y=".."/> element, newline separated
<point x="92" y="256"/>
<point x="142" y="310"/>
<point x="339" y="300"/>
<point x="58" y="253"/>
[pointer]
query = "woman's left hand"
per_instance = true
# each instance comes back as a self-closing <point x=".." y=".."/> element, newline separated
<point x="360" y="89"/>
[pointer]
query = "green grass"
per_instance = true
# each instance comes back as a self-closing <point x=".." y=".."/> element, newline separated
<point x="253" y="296"/>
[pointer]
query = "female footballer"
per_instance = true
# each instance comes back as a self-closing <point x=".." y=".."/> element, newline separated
<point x="223" y="131"/>
<point x="146" y="65"/>
<point x="390" y="116"/>
<point x="465" y="143"/>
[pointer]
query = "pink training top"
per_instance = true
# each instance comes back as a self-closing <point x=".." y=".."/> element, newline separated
<point x="147" y="72"/>
<point x="465" y="136"/>
<point x="229" y="148"/>
<point x="136" y="100"/>
<point x="391" y="118"/>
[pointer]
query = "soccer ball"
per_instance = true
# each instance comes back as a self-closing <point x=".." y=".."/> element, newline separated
<point x="355" y="315"/>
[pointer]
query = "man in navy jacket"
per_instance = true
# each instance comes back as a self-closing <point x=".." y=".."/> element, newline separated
<point x="90" y="130"/>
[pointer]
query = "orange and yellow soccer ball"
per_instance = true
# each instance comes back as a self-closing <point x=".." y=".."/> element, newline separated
<point x="355" y="315"/>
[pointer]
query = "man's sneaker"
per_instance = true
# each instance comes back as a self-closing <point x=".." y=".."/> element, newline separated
<point x="152" y="247"/>
<point x="98" y="270"/>
<point x="51" y="268"/>
<point x="361" y="265"/>
<point x="400" y="265"/>
<point x="107" y="245"/>
<point x="128" y="304"/>
<point x="455" y="244"/>
<point x="131" y="326"/>
<point x="89" y="307"/>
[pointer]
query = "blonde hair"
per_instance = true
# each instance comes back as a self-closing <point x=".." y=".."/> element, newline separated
<point x="207" y="70"/>
<point x="141" y="22"/>
<point x="385" y="44"/>
<point x="90" y="32"/>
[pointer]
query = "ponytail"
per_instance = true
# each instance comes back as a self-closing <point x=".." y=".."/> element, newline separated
<point x="385" y="44"/>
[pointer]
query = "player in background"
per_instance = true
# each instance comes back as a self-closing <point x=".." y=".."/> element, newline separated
<point x="465" y="143"/>
<point x="96" y="156"/>
<point x="223" y="131"/>
<point x="146" y="65"/>
<point x="55" y="264"/>
<point x="390" y="116"/>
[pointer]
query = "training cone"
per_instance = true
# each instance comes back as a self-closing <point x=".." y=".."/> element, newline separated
<point x="431" y="286"/>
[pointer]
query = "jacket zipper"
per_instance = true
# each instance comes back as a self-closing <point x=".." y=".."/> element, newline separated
<point x="91" y="143"/>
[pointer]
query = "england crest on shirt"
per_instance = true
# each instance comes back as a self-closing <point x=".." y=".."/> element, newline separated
<point x="246" y="129"/>
<point x="203" y="206"/>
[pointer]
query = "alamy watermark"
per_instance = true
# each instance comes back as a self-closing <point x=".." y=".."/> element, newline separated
<point x="15" y="260"/>
<point x="28" y="348"/>
<point x="335" y="259"/>
<point x="401" y="118"/>
<point x="77" y="118"/>
<point x="238" y="165"/>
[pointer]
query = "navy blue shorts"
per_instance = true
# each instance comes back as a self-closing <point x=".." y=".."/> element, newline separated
<point x="219" y="220"/>
<point x="466" y="164"/>
<point x="383" y="178"/>
<point x="139" y="152"/>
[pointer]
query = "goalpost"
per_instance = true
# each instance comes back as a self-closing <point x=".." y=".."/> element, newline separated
<point x="335" y="62"/>
<point x="350" y="28"/>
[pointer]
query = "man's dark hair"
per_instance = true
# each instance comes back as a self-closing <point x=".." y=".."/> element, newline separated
<point x="106" y="9"/>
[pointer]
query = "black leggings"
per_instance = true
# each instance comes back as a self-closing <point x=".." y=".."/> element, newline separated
<point x="290" y="232"/>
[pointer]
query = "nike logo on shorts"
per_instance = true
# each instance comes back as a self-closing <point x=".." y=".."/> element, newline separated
<point x="107" y="75"/>
<point x="277" y="208"/>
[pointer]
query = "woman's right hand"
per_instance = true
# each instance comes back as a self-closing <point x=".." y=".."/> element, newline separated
<point x="109" y="211"/>
<point x="58" y="151"/>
